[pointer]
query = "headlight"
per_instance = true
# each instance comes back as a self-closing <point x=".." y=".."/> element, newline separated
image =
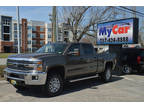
<point x="39" y="66"/>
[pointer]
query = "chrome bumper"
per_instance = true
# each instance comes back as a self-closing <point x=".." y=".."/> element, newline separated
<point x="26" y="77"/>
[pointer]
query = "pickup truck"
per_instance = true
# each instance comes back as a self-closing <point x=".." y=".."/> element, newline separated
<point x="56" y="63"/>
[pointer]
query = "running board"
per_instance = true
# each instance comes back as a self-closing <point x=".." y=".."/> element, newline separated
<point x="84" y="78"/>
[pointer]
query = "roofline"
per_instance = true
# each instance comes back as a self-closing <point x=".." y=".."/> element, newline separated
<point x="6" y="16"/>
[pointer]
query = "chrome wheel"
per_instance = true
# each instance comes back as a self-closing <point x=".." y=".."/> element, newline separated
<point x="108" y="74"/>
<point x="54" y="85"/>
<point x="126" y="69"/>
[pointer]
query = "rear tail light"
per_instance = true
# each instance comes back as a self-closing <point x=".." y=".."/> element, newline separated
<point x="138" y="59"/>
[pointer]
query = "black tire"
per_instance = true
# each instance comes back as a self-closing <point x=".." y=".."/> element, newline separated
<point x="126" y="69"/>
<point x="106" y="75"/>
<point x="51" y="89"/>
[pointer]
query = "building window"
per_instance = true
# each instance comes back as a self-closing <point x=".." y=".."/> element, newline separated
<point x="49" y="36"/>
<point x="34" y="49"/>
<point x="41" y="42"/>
<point x="49" y="29"/>
<point x="34" y="35"/>
<point x="34" y="42"/>
<point x="41" y="29"/>
<point x="41" y="36"/>
<point x="29" y="35"/>
<point x="6" y="21"/>
<point x="6" y="37"/>
<point x="66" y="33"/>
<point x="29" y="49"/>
<point x="33" y="28"/>
<point x="15" y="42"/>
<point x="6" y="29"/>
<point x="49" y="42"/>
<point x="15" y="36"/>
<point x="29" y="41"/>
<point x="29" y="27"/>
<point x="15" y="26"/>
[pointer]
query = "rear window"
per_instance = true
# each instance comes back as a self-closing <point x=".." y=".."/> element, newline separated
<point x="88" y="49"/>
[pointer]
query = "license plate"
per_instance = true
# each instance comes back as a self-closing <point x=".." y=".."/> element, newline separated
<point x="13" y="82"/>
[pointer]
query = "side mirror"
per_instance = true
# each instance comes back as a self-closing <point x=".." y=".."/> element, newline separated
<point x="76" y="52"/>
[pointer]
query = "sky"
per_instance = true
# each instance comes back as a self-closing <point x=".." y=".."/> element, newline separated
<point x="40" y="13"/>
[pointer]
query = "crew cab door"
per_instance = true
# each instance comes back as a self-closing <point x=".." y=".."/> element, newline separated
<point x="74" y="62"/>
<point x="90" y="59"/>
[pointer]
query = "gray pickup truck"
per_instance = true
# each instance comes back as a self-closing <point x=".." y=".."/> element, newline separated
<point x="56" y="63"/>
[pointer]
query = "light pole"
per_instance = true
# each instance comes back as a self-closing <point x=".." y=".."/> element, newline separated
<point x="18" y="28"/>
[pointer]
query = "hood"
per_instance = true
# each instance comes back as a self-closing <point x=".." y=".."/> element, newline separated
<point x="32" y="55"/>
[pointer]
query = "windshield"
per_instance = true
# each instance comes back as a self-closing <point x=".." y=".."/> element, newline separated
<point x="55" y="48"/>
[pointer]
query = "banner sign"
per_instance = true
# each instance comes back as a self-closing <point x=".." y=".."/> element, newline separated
<point x="123" y="31"/>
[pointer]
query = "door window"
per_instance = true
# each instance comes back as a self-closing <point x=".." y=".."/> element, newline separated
<point x="73" y="47"/>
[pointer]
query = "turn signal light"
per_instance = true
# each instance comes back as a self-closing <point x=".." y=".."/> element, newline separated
<point x="40" y="62"/>
<point x="39" y="68"/>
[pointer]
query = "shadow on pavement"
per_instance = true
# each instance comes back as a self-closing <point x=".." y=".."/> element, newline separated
<point x="70" y="87"/>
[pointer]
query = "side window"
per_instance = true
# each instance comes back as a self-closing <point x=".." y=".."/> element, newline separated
<point x="73" y="47"/>
<point x="88" y="49"/>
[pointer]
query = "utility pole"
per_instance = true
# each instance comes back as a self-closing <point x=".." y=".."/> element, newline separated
<point x="54" y="32"/>
<point x="18" y="29"/>
<point x="134" y="9"/>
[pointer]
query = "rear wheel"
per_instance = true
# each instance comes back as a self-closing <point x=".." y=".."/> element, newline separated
<point x="54" y="85"/>
<point x="126" y="69"/>
<point x="106" y="75"/>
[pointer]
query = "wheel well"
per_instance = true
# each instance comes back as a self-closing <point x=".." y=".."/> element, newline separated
<point x="58" y="70"/>
<point x="109" y="64"/>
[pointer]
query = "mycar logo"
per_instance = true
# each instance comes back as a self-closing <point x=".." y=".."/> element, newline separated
<point x="116" y="29"/>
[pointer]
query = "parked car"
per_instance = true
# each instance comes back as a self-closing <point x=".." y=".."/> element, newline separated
<point x="56" y="63"/>
<point x="132" y="59"/>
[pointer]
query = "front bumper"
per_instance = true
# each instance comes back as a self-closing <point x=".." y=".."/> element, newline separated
<point x="29" y="78"/>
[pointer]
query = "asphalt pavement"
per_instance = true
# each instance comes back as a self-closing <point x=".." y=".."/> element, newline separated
<point x="126" y="88"/>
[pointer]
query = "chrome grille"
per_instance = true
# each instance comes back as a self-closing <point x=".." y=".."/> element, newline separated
<point x="18" y="65"/>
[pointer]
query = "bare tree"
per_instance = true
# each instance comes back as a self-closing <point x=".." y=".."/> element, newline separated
<point x="83" y="19"/>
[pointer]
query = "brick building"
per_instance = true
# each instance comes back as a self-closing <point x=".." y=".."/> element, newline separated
<point x="33" y="34"/>
<point x="6" y="39"/>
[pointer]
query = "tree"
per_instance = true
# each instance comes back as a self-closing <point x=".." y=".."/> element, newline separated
<point x="83" y="19"/>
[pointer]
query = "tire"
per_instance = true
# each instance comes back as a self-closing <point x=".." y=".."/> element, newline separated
<point x="126" y="69"/>
<point x="54" y="85"/>
<point x="106" y="75"/>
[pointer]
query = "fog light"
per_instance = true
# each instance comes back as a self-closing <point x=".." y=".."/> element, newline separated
<point x="34" y="77"/>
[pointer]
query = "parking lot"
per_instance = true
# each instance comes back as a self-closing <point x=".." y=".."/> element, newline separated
<point x="123" y="88"/>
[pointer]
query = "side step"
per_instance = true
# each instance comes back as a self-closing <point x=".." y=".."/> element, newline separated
<point x="84" y="78"/>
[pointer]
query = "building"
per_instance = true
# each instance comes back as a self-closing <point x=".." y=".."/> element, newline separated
<point x="33" y="34"/>
<point x="6" y="39"/>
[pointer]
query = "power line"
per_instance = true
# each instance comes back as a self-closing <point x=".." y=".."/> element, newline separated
<point x="125" y="10"/>
<point x="134" y="11"/>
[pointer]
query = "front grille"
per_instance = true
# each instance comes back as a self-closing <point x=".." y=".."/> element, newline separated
<point x="18" y="65"/>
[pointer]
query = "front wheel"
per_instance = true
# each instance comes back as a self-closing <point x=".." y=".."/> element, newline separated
<point x="54" y="85"/>
<point x="106" y="75"/>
